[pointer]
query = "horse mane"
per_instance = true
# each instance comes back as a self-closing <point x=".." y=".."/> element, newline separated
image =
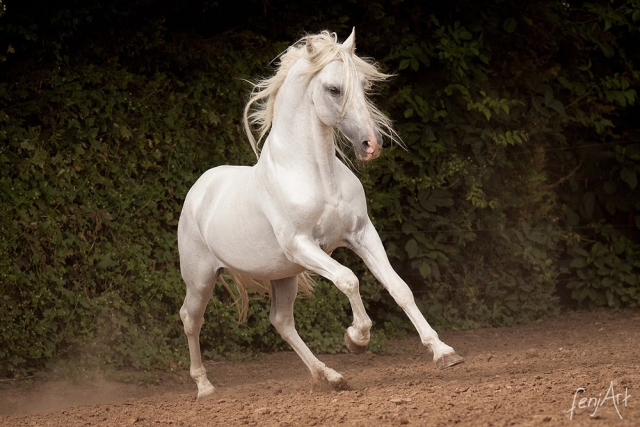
<point x="318" y="50"/>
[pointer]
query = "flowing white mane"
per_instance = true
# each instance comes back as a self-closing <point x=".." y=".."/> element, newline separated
<point x="318" y="50"/>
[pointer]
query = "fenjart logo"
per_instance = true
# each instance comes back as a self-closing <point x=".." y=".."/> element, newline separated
<point x="618" y="400"/>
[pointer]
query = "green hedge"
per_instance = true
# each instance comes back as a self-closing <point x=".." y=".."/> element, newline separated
<point x="519" y="183"/>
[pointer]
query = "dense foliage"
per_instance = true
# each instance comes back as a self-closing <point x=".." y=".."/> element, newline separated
<point x="519" y="184"/>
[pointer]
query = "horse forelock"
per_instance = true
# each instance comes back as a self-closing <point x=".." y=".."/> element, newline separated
<point x="318" y="50"/>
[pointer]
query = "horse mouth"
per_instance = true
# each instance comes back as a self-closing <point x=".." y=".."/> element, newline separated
<point x="368" y="156"/>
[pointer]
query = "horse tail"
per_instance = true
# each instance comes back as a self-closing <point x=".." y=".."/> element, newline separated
<point x="243" y="284"/>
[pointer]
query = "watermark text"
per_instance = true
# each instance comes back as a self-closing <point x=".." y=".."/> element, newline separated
<point x="617" y="400"/>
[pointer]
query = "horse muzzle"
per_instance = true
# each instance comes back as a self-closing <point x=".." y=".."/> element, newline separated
<point x="368" y="149"/>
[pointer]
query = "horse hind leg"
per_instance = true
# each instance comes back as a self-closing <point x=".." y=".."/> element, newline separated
<point x="200" y="279"/>
<point x="283" y="296"/>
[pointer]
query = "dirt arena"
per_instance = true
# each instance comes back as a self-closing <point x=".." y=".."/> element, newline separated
<point x="522" y="376"/>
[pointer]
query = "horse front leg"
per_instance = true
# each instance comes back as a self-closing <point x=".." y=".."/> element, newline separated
<point x="283" y="296"/>
<point x="369" y="247"/>
<point x="306" y="253"/>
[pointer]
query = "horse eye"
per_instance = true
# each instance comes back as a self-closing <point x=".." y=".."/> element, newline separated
<point x="334" y="91"/>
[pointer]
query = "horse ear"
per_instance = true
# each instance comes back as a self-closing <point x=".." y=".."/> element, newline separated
<point x="350" y="43"/>
<point x="310" y="48"/>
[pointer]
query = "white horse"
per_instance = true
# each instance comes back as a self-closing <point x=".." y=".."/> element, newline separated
<point x="296" y="205"/>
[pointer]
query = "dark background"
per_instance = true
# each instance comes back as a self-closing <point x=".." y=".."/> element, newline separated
<point x="517" y="196"/>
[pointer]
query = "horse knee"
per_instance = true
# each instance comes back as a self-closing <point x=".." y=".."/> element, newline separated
<point x="191" y="324"/>
<point x="284" y="324"/>
<point x="280" y="320"/>
<point x="347" y="282"/>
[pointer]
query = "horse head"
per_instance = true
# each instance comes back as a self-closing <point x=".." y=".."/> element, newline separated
<point x="336" y="81"/>
<point x="340" y="99"/>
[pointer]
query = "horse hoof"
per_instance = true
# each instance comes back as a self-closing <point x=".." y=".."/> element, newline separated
<point x="328" y="380"/>
<point x="448" y="360"/>
<point x="324" y="385"/>
<point x="206" y="393"/>
<point x="340" y="385"/>
<point x="353" y="347"/>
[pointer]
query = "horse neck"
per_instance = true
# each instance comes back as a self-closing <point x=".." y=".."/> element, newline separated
<point x="298" y="139"/>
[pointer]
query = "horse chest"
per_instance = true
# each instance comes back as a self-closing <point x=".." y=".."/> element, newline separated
<point x="334" y="225"/>
<point x="328" y="222"/>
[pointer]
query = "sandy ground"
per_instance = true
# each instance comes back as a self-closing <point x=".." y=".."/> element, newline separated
<point x="524" y="376"/>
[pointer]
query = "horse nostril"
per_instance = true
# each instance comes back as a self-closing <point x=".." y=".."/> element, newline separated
<point x="365" y="144"/>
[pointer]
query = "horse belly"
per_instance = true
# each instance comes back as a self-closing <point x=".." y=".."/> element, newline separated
<point x="251" y="250"/>
<point x="236" y="231"/>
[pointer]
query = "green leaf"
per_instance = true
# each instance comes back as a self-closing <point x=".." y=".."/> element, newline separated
<point x="414" y="64"/>
<point x="578" y="263"/>
<point x="412" y="248"/>
<point x="106" y="262"/>
<point x="606" y="49"/>
<point x="465" y="35"/>
<point x="573" y="219"/>
<point x="510" y="25"/>
<point x="425" y="270"/>
<point x="588" y="204"/>
<point x="579" y="251"/>
<point x="27" y="145"/>
<point x="557" y="106"/>
<point x="630" y="177"/>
